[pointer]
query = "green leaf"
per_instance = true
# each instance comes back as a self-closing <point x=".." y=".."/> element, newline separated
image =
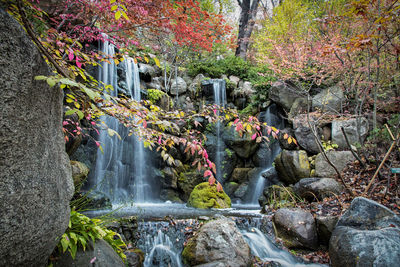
<point x="64" y="242"/>
<point x="51" y="82"/>
<point x="73" y="249"/>
<point x="77" y="111"/>
<point x="40" y="77"/>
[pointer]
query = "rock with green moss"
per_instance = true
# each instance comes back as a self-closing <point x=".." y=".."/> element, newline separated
<point x="206" y="196"/>
<point x="187" y="181"/>
<point x="291" y="166"/>
<point x="79" y="172"/>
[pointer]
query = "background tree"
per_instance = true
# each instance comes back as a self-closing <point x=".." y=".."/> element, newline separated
<point x="248" y="13"/>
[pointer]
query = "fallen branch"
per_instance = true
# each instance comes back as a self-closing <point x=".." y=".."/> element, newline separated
<point x="384" y="159"/>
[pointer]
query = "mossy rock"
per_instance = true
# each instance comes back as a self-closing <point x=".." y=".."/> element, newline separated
<point x="206" y="196"/>
<point x="79" y="172"/>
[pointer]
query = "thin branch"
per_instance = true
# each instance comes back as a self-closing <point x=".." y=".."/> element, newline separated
<point x="351" y="149"/>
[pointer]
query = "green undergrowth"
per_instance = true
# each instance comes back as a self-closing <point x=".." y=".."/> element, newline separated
<point x="82" y="230"/>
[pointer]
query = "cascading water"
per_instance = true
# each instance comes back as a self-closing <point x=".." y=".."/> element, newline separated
<point x="219" y="87"/>
<point x="119" y="171"/>
<point x="271" y="117"/>
<point x="263" y="248"/>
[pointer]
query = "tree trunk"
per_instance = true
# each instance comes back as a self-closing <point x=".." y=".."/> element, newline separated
<point x="246" y="24"/>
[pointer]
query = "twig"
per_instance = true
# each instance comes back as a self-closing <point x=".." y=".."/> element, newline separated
<point x="384" y="159"/>
<point x="351" y="149"/>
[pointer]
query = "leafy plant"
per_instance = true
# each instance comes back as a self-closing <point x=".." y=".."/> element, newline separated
<point x="81" y="230"/>
<point x="328" y="145"/>
<point x="154" y="95"/>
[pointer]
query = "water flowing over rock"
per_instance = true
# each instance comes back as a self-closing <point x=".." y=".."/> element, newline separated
<point x="296" y="227"/>
<point x="339" y="158"/>
<point x="329" y="100"/>
<point x="102" y="253"/>
<point x="291" y="166"/>
<point x="354" y="134"/>
<point x="218" y="242"/>
<point x="35" y="173"/>
<point x="368" y="234"/>
<point x="318" y="187"/>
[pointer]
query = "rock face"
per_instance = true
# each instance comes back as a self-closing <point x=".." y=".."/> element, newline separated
<point x="368" y="234"/>
<point x="339" y="158"/>
<point x="291" y="166"/>
<point x="329" y="99"/>
<point x="104" y="253"/>
<point x="79" y="172"/>
<point x="350" y="128"/>
<point x="206" y="196"/>
<point x="296" y="227"/>
<point x="306" y="140"/>
<point x="284" y="94"/>
<point x="218" y="243"/>
<point x="320" y="187"/>
<point x="243" y="146"/>
<point x="179" y="85"/>
<point x="35" y="174"/>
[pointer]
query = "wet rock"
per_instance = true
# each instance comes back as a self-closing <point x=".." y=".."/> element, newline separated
<point x="206" y="196"/>
<point x="170" y="195"/>
<point x="292" y="165"/>
<point x="329" y="100"/>
<point x="217" y="243"/>
<point x="325" y="227"/>
<point x="339" y="158"/>
<point x="101" y="251"/>
<point x="319" y="187"/>
<point x="265" y="153"/>
<point x="354" y="134"/>
<point x="35" y="173"/>
<point x="178" y="86"/>
<point x="284" y="94"/>
<point x="169" y="178"/>
<point x="297" y="228"/>
<point x="239" y="175"/>
<point x="368" y="234"/>
<point x="230" y="188"/>
<point x="244" y="146"/>
<point x="97" y="200"/>
<point x="240" y="192"/>
<point x="134" y="257"/>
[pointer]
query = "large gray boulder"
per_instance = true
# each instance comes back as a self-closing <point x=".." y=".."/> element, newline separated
<point x="318" y="187"/>
<point x="35" y="173"/>
<point x="356" y="130"/>
<point x="329" y="100"/>
<point x="101" y="253"/>
<point x="147" y="72"/>
<point x="284" y="94"/>
<point x="297" y="228"/>
<point x="292" y="165"/>
<point x="243" y="146"/>
<point x="195" y="87"/>
<point x="339" y="158"/>
<point x="178" y="86"/>
<point x="306" y="139"/>
<point x="217" y="243"/>
<point x="368" y="234"/>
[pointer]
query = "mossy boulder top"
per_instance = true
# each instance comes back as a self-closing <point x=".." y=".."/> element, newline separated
<point x="206" y="196"/>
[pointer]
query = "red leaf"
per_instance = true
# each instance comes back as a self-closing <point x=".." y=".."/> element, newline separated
<point x="211" y="180"/>
<point x="70" y="54"/>
<point x="207" y="173"/>
<point x="236" y="121"/>
<point x="219" y="187"/>
<point x="254" y="136"/>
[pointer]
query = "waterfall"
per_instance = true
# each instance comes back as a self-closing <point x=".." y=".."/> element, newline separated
<point x="271" y="117"/>
<point x="120" y="171"/>
<point x="162" y="252"/>
<point x="262" y="247"/>
<point x="219" y="88"/>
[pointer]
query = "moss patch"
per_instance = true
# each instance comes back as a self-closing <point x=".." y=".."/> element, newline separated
<point x="206" y="196"/>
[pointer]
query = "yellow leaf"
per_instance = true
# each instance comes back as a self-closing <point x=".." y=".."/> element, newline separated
<point x="146" y="59"/>
<point x="118" y="15"/>
<point x="248" y="128"/>
<point x="124" y="15"/>
<point x="285" y="136"/>
<point x="274" y="129"/>
<point x="116" y="61"/>
<point x="157" y="62"/>
<point x="289" y="140"/>
<point x="112" y="1"/>
<point x="113" y="8"/>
